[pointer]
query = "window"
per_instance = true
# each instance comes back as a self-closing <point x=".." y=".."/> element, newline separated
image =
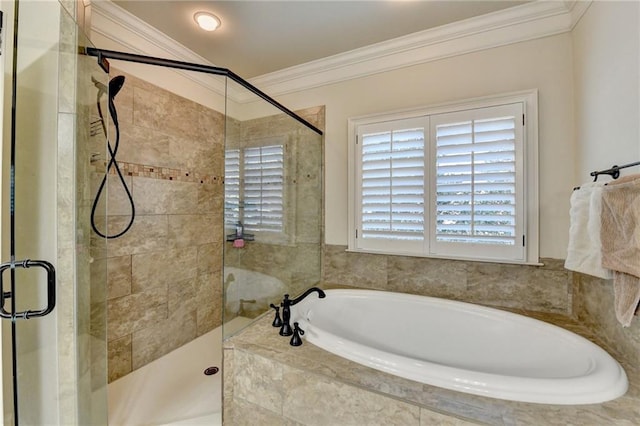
<point x="231" y="187"/>
<point x="446" y="182"/>
<point x="254" y="188"/>
<point x="391" y="184"/>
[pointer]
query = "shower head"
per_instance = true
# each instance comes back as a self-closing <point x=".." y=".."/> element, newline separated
<point x="115" y="85"/>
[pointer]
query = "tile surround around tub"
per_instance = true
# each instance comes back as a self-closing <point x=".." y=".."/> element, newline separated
<point x="305" y="385"/>
<point x="305" y="402"/>
<point x="545" y="288"/>
<point x="594" y="307"/>
<point x="284" y="395"/>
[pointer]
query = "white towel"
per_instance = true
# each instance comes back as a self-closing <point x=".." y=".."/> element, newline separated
<point x="584" y="253"/>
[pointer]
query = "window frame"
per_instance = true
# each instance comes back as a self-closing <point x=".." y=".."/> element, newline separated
<point x="530" y="184"/>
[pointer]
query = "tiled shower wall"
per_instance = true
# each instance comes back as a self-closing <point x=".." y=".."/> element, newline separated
<point x="294" y="261"/>
<point x="164" y="275"/>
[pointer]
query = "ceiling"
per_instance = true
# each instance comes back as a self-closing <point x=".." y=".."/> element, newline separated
<point x="260" y="37"/>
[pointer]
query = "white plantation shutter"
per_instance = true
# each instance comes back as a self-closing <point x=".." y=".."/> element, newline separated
<point x="477" y="184"/>
<point x="254" y="188"/>
<point x="391" y="177"/>
<point x="231" y="187"/>
<point x="446" y="182"/>
<point x="263" y="188"/>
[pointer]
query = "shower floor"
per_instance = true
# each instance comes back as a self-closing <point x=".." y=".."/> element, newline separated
<point x="173" y="390"/>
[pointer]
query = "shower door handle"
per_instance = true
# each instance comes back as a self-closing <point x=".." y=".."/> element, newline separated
<point x="51" y="289"/>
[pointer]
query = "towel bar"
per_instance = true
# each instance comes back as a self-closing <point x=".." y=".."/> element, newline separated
<point x="614" y="171"/>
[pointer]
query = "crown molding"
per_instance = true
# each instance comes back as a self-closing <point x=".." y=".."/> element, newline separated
<point x="522" y="23"/>
<point x="132" y="35"/>
<point x="577" y="8"/>
<point x="517" y="24"/>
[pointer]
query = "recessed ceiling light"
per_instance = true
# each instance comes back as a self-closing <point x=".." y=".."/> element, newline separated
<point x="207" y="21"/>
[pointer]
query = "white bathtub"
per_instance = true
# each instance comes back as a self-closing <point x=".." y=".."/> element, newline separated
<point x="173" y="390"/>
<point x="461" y="346"/>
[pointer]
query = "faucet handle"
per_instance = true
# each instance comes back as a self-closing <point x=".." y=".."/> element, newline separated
<point x="297" y="332"/>
<point x="286" y="301"/>
<point x="285" y="330"/>
<point x="277" y="322"/>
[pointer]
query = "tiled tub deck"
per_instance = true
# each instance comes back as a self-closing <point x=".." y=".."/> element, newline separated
<point x="269" y="382"/>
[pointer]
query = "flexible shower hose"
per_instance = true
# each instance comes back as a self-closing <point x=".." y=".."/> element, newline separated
<point x="112" y="160"/>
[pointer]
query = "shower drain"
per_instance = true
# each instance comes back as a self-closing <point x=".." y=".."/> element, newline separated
<point x="210" y="371"/>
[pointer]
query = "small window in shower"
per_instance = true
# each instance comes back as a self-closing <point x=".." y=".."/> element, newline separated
<point x="254" y="188"/>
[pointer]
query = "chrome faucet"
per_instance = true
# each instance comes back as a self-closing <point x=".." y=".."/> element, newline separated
<point x="286" y="304"/>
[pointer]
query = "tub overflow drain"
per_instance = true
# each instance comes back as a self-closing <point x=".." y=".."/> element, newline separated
<point x="210" y="371"/>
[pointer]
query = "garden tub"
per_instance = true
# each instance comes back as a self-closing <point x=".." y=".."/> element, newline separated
<point x="461" y="346"/>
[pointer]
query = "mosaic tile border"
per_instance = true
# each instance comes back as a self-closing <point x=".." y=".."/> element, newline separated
<point x="163" y="173"/>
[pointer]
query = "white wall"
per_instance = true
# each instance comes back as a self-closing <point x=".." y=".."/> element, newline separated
<point x="606" y="45"/>
<point x="545" y="64"/>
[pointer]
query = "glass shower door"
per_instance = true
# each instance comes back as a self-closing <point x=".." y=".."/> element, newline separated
<point x="272" y="206"/>
<point x="53" y="296"/>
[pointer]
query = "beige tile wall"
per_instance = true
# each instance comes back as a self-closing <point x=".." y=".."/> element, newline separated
<point x="268" y="381"/>
<point x="164" y="275"/>
<point x="545" y="288"/>
<point x="593" y="306"/>
<point x="164" y="286"/>
<point x="296" y="261"/>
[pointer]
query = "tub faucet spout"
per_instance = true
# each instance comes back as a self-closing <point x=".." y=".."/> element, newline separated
<point x="286" y="304"/>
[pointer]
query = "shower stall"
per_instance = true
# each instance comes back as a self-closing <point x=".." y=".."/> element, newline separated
<point x="221" y="204"/>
